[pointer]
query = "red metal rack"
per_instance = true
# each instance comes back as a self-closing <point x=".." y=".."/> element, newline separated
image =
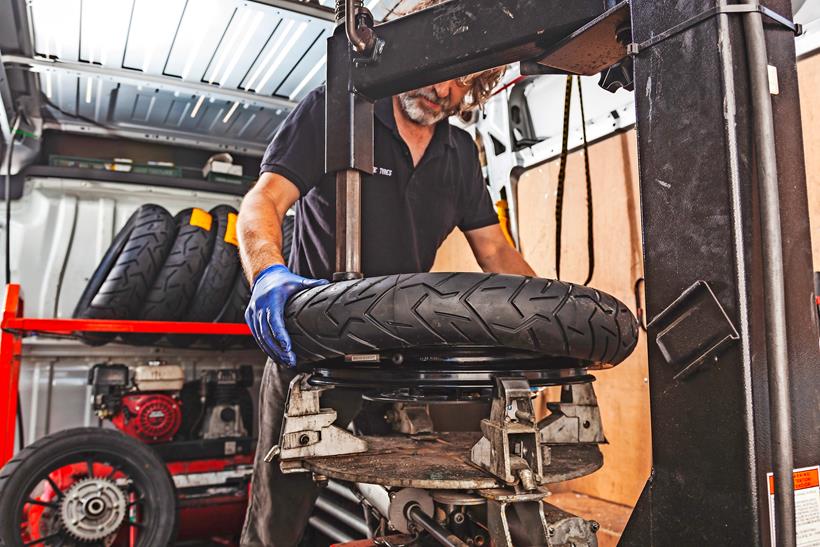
<point x="15" y="328"/>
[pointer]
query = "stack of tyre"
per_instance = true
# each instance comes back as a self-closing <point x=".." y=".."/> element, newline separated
<point x="170" y="268"/>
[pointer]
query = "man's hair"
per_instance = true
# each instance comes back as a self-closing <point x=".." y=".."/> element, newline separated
<point x="481" y="84"/>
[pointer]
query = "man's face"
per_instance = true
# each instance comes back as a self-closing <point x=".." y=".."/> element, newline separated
<point x="431" y="104"/>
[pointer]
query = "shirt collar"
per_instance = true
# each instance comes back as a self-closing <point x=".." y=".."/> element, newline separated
<point x="383" y="110"/>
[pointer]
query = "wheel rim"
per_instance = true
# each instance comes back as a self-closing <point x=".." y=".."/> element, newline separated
<point x="455" y="374"/>
<point x="85" y="499"/>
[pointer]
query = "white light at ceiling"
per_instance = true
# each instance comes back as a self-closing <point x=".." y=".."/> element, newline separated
<point x="197" y="106"/>
<point x="99" y="97"/>
<point x="48" y="85"/>
<point x="372" y="4"/>
<point x="53" y="22"/>
<point x="230" y="112"/>
<point x="98" y="102"/>
<point x="308" y="77"/>
<point x="100" y="26"/>
<point x="271" y="51"/>
<point x="153" y="25"/>
<point x="102" y="22"/>
<point x="201" y="20"/>
<point x="282" y="54"/>
<point x="88" y="89"/>
<point x="236" y="30"/>
<point x="247" y="35"/>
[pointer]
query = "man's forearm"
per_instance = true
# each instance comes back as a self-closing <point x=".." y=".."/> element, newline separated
<point x="260" y="233"/>
<point x="506" y="260"/>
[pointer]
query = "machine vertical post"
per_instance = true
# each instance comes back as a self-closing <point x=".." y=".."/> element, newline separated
<point x="348" y="147"/>
<point x="348" y="221"/>
<point x="704" y="245"/>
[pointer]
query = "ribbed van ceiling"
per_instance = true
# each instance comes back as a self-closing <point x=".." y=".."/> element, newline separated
<point x="124" y="64"/>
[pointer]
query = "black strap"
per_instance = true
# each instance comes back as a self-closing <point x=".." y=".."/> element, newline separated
<point x="562" y="175"/>
<point x="590" y="234"/>
<point x="635" y="48"/>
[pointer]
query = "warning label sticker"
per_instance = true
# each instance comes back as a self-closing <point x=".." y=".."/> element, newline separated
<point x="806" y="505"/>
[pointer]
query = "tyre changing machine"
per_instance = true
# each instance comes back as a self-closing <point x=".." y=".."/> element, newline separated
<point x="505" y="467"/>
<point x="733" y="354"/>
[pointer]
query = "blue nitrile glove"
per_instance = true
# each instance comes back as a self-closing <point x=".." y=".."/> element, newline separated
<point x="265" y="314"/>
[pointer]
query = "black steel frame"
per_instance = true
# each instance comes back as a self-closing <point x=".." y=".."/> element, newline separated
<point x="735" y="332"/>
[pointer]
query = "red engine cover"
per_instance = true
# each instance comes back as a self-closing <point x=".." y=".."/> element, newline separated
<point x="152" y="418"/>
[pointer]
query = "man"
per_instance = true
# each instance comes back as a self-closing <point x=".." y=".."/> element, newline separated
<point x="427" y="181"/>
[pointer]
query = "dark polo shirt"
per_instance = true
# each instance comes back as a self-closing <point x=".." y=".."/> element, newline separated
<point x="407" y="211"/>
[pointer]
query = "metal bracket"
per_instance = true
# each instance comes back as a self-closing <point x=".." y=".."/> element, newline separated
<point x="308" y="430"/>
<point x="692" y="329"/>
<point x="594" y="47"/>
<point x="410" y="418"/>
<point x="541" y="523"/>
<point x="510" y="448"/>
<point x="575" y="420"/>
<point x="636" y="48"/>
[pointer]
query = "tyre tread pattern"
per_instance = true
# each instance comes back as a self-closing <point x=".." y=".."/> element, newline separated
<point x="432" y="310"/>
<point x="118" y="286"/>
<point x="176" y="283"/>
<point x="217" y="280"/>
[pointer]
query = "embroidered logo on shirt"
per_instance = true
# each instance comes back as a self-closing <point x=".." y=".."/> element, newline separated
<point x="382" y="171"/>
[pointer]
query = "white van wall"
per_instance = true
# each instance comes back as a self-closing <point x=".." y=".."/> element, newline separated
<point x="60" y="229"/>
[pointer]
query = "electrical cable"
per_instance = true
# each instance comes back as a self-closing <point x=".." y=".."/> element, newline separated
<point x="80" y="117"/>
<point x="7" y="187"/>
<point x="9" y="155"/>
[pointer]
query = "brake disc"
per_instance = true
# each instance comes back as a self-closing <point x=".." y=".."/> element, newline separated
<point x="93" y="509"/>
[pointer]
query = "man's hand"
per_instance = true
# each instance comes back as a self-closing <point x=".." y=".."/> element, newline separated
<point x="266" y="310"/>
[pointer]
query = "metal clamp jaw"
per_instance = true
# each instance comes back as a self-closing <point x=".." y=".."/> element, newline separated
<point x="511" y="447"/>
<point x="514" y="448"/>
<point x="575" y="420"/>
<point x="308" y="430"/>
<point x="540" y="522"/>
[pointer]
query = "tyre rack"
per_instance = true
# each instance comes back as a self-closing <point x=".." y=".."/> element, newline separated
<point x="15" y="327"/>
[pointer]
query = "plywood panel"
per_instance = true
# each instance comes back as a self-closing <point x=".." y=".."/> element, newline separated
<point x="623" y="393"/>
<point x="808" y="72"/>
<point x="455" y="255"/>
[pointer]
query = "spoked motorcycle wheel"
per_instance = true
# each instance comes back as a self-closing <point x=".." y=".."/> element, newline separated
<point x="86" y="487"/>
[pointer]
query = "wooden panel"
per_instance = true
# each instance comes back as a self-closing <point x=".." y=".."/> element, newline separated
<point x="808" y="72"/>
<point x="623" y="393"/>
<point x="455" y="255"/>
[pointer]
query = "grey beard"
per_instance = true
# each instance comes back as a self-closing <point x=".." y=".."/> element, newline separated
<point x="418" y="114"/>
